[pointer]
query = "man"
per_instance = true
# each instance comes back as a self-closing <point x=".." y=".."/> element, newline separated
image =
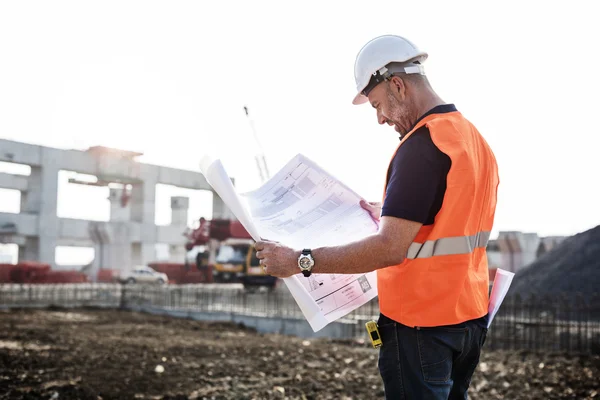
<point x="434" y="224"/>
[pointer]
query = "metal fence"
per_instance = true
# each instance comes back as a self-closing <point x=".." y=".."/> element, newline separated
<point x="562" y="324"/>
<point x="61" y="295"/>
<point x="558" y="324"/>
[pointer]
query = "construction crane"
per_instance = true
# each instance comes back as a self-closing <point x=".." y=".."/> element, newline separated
<point x="225" y="247"/>
<point x="261" y="162"/>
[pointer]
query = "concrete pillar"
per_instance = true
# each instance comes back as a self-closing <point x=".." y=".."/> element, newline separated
<point x="220" y="210"/>
<point x="31" y="200"/>
<point x="179" y="217"/>
<point x="177" y="253"/>
<point x="42" y="198"/>
<point x="494" y="256"/>
<point x="120" y="245"/>
<point x="100" y="236"/>
<point x="136" y="254"/>
<point x="143" y="210"/>
<point x="112" y="243"/>
<point x="28" y="251"/>
<point x="118" y="211"/>
<point x="510" y="249"/>
<point x="142" y="201"/>
<point x="529" y="243"/>
<point x="148" y="252"/>
<point x="97" y="261"/>
<point x="142" y="253"/>
<point x="179" y="210"/>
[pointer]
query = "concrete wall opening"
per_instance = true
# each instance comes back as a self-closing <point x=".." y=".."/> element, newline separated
<point x="10" y="201"/>
<point x="81" y="200"/>
<point x="163" y="252"/>
<point x="73" y="257"/>
<point x="14" y="168"/>
<point x="9" y="253"/>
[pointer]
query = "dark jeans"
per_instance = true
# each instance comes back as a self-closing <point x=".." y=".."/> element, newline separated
<point x="429" y="363"/>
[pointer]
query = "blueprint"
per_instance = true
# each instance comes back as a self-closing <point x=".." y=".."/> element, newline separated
<point x="500" y="288"/>
<point x="302" y="206"/>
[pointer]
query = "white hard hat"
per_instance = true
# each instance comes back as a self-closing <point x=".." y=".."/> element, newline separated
<point x="372" y="62"/>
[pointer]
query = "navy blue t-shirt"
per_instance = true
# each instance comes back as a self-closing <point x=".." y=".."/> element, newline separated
<point x="416" y="180"/>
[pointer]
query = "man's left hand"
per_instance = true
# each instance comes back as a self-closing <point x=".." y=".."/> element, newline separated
<point x="276" y="259"/>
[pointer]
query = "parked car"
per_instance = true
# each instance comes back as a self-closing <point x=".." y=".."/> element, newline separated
<point x="143" y="274"/>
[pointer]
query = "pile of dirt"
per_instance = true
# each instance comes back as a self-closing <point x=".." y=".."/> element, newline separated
<point x="121" y="355"/>
<point x="571" y="268"/>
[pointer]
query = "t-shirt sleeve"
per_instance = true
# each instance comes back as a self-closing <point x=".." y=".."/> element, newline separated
<point x="417" y="172"/>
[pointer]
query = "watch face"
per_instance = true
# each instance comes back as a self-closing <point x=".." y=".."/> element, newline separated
<point x="305" y="262"/>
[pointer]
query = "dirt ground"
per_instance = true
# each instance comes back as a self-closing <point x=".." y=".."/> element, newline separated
<point x="91" y="354"/>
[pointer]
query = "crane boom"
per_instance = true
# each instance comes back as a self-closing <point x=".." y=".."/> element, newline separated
<point x="261" y="162"/>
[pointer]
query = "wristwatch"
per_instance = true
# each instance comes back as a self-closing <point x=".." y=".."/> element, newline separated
<point x="306" y="262"/>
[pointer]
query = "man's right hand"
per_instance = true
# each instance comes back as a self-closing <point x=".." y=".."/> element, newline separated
<point x="374" y="208"/>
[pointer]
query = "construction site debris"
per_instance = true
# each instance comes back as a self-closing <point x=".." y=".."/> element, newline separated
<point x="115" y="355"/>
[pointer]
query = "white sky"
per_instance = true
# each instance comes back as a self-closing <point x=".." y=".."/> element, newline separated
<point x="170" y="79"/>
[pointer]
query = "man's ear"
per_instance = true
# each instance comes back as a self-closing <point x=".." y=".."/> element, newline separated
<point x="398" y="86"/>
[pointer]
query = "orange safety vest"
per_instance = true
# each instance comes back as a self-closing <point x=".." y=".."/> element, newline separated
<point x="444" y="278"/>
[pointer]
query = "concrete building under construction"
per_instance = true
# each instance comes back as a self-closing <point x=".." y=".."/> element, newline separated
<point x="512" y="251"/>
<point x="130" y="235"/>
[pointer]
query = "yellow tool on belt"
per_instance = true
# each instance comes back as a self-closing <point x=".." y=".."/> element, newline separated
<point x="374" y="334"/>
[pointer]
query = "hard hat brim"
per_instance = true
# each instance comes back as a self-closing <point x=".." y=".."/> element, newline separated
<point x="360" y="99"/>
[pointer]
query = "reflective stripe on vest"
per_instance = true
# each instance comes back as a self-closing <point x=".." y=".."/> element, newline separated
<point x="448" y="246"/>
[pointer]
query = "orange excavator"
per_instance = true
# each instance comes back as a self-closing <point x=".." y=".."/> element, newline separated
<point x="228" y="249"/>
